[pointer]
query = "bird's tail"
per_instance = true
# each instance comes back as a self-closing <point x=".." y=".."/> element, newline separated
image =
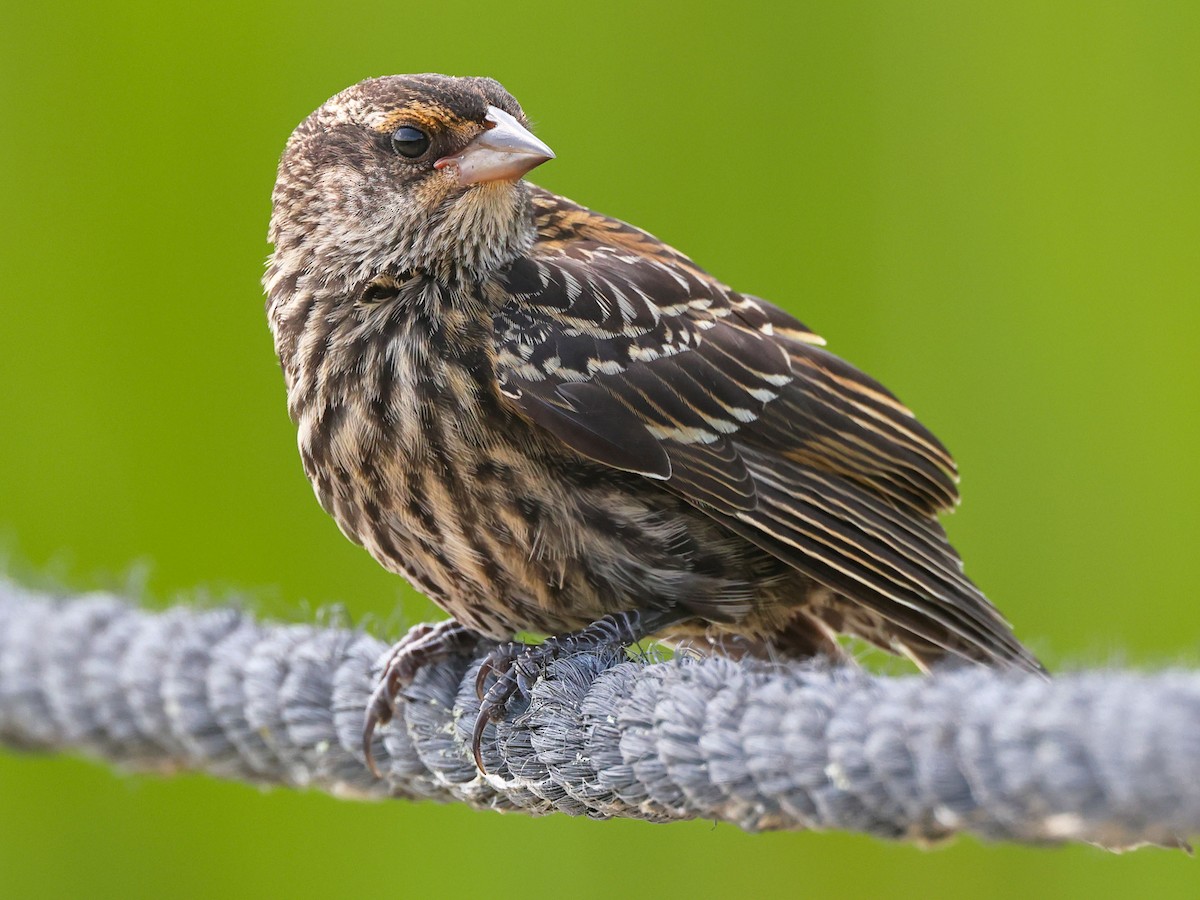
<point x="902" y="583"/>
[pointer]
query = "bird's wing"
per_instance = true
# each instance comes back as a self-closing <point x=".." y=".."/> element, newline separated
<point x="638" y="364"/>
<point x="636" y="358"/>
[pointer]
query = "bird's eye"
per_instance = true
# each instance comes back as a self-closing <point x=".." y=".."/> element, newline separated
<point x="410" y="142"/>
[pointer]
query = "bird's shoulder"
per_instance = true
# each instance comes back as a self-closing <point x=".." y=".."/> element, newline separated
<point x="580" y="254"/>
<point x="562" y="225"/>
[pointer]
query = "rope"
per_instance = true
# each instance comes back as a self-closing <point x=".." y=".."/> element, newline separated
<point x="1109" y="757"/>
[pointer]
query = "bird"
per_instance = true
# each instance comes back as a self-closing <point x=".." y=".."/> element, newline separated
<point x="550" y="421"/>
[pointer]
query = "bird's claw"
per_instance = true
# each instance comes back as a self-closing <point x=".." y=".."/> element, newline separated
<point x="516" y="668"/>
<point x="424" y="644"/>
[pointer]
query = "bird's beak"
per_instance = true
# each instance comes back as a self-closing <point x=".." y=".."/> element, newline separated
<point x="504" y="152"/>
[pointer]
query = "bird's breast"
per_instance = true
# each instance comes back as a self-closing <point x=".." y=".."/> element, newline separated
<point x="394" y="397"/>
<point x="404" y="437"/>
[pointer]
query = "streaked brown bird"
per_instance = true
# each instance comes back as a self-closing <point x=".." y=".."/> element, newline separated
<point x="549" y="420"/>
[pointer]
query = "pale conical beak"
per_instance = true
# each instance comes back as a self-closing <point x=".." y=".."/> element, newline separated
<point x="504" y="152"/>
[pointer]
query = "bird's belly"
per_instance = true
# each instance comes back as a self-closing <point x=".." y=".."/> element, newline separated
<point x="507" y="531"/>
<point x="507" y="541"/>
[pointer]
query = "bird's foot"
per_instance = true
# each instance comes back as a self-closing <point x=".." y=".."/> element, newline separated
<point x="424" y="644"/>
<point x="516" y="667"/>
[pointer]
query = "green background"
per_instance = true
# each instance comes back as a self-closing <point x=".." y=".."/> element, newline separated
<point x="992" y="207"/>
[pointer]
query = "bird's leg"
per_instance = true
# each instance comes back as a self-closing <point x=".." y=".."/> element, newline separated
<point x="517" y="667"/>
<point x="423" y="645"/>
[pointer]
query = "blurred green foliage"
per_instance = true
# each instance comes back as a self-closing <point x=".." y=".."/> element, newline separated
<point x="990" y="206"/>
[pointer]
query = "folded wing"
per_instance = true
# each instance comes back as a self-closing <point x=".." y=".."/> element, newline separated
<point x="637" y="359"/>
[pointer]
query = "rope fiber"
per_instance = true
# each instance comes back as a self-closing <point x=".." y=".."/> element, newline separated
<point x="1109" y="757"/>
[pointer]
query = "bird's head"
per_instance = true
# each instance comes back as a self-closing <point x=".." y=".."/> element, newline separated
<point x="406" y="173"/>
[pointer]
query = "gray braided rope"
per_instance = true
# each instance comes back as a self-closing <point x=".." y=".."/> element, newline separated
<point x="1108" y="757"/>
